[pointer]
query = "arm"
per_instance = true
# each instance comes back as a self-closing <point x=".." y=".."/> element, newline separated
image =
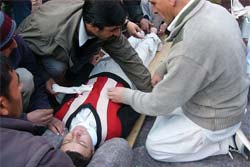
<point x="172" y="92"/>
<point x="28" y="61"/>
<point x="123" y="53"/>
<point x="135" y="14"/>
<point x="134" y="10"/>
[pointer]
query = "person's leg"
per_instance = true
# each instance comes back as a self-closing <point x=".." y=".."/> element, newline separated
<point x="55" y="68"/>
<point x="175" y="138"/>
<point x="26" y="78"/>
<point x="113" y="153"/>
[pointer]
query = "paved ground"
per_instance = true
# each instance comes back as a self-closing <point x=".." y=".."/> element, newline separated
<point x="142" y="159"/>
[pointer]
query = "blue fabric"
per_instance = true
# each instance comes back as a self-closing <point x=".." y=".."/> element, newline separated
<point x="23" y="57"/>
<point x="21" y="9"/>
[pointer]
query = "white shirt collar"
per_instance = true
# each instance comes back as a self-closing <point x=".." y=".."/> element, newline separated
<point x="86" y="119"/>
<point x="83" y="36"/>
<point x="173" y="23"/>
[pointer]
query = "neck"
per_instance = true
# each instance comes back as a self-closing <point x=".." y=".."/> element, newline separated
<point x="180" y="4"/>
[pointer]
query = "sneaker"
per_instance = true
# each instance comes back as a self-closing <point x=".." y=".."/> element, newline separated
<point x="242" y="145"/>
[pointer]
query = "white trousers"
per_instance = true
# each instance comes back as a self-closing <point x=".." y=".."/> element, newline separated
<point x="175" y="138"/>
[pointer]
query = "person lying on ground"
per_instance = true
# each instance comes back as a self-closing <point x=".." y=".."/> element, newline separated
<point x="90" y="116"/>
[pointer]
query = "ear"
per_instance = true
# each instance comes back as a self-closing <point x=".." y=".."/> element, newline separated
<point x="4" y="106"/>
<point x="95" y="29"/>
<point x="91" y="29"/>
<point x="172" y="2"/>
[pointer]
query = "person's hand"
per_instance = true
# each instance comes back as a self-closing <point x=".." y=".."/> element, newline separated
<point x="115" y="94"/>
<point x="134" y="30"/>
<point x="153" y="30"/>
<point x="145" y="25"/>
<point x="95" y="59"/>
<point x="155" y="79"/>
<point x="162" y="29"/>
<point x="56" y="126"/>
<point x="49" y="84"/>
<point x="40" y="116"/>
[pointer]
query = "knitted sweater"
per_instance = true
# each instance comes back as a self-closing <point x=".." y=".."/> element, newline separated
<point x="205" y="71"/>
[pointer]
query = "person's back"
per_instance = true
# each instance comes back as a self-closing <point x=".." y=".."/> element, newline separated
<point x="223" y="66"/>
<point x="200" y="100"/>
<point x="21" y="148"/>
<point x="19" y="145"/>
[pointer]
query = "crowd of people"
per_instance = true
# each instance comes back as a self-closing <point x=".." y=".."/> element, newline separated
<point x="70" y="67"/>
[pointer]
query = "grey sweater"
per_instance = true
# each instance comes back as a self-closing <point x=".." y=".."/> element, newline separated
<point x="205" y="71"/>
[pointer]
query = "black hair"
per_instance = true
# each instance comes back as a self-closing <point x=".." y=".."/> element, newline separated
<point x="103" y="13"/>
<point x="78" y="159"/>
<point x="5" y="76"/>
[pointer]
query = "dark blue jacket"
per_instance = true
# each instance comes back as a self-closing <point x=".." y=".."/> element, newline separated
<point x="22" y="57"/>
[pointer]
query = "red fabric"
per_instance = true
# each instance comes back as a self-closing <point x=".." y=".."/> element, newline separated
<point x="95" y="92"/>
<point x="63" y="110"/>
<point x="114" y="123"/>
<point x="114" y="127"/>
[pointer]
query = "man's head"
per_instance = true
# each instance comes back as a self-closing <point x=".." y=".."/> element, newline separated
<point x="78" y="145"/>
<point x="168" y="9"/>
<point x="103" y="18"/>
<point x="7" y="29"/>
<point x="10" y="90"/>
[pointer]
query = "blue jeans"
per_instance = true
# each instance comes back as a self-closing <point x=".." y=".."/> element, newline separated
<point x="54" y="67"/>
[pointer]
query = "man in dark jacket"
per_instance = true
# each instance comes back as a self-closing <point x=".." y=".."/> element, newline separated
<point x="62" y="34"/>
<point x="19" y="144"/>
<point x="135" y="14"/>
<point x="23" y="61"/>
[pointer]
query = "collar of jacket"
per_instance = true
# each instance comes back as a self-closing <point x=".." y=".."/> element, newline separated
<point x="18" y="124"/>
<point x="184" y="17"/>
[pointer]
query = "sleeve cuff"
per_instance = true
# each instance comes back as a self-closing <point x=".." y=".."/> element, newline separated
<point x="127" y="96"/>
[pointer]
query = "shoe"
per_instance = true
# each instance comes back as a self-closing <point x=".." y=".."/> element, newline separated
<point x="242" y="145"/>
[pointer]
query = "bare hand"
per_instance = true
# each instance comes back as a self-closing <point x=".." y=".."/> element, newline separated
<point x="155" y="79"/>
<point x="162" y="29"/>
<point x="41" y="116"/>
<point x="134" y="30"/>
<point x="56" y="126"/>
<point x="145" y="25"/>
<point x="115" y="94"/>
<point x="49" y="84"/>
<point x="95" y="59"/>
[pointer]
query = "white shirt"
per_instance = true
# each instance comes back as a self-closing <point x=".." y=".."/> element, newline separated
<point x="83" y="36"/>
<point x="86" y="119"/>
<point x="173" y="23"/>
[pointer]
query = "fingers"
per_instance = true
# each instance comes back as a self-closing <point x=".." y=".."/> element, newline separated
<point x="56" y="126"/>
<point x="40" y="116"/>
<point x="47" y="118"/>
<point x="49" y="84"/>
<point x="154" y="82"/>
<point x="115" y="94"/>
<point x="53" y="129"/>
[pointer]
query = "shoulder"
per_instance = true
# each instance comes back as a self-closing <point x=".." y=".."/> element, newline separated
<point x="32" y="150"/>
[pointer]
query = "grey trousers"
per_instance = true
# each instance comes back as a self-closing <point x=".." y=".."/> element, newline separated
<point x="26" y="78"/>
